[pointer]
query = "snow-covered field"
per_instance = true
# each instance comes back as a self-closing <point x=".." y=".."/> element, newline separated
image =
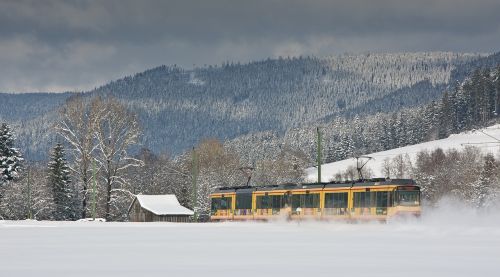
<point x="442" y="243"/>
<point x="485" y="139"/>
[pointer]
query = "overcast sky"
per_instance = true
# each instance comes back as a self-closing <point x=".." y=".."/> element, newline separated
<point x="77" y="45"/>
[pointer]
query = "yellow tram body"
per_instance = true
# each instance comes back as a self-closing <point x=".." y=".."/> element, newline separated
<point x="376" y="199"/>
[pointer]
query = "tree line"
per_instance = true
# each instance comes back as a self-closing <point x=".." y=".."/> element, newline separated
<point x="98" y="133"/>
<point x="90" y="172"/>
<point x="469" y="175"/>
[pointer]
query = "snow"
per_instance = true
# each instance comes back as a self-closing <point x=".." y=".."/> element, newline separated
<point x="92" y="220"/>
<point x="163" y="204"/>
<point x="443" y="243"/>
<point x="483" y="139"/>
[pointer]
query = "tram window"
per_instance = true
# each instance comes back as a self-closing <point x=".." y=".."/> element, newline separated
<point x="225" y="203"/>
<point x="364" y="199"/>
<point x="296" y="201"/>
<point x="359" y="199"/>
<point x="311" y="200"/>
<point x="215" y="204"/>
<point x="382" y="198"/>
<point x="277" y="201"/>
<point x="336" y="200"/>
<point x="341" y="201"/>
<point x="329" y="200"/>
<point x="244" y="201"/>
<point x="263" y="202"/>
<point x="286" y="200"/>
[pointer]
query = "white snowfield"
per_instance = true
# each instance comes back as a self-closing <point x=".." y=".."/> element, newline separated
<point x="162" y="204"/>
<point x="442" y="243"/>
<point x="484" y="139"/>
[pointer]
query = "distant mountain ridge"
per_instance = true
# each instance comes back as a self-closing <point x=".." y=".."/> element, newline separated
<point x="179" y="107"/>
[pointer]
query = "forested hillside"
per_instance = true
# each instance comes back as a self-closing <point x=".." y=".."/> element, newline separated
<point x="27" y="106"/>
<point x="474" y="103"/>
<point x="178" y="107"/>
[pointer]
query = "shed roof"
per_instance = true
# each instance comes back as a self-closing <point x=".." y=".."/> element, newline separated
<point x="166" y="204"/>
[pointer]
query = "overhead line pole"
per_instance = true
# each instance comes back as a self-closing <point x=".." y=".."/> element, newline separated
<point x="319" y="154"/>
<point x="194" y="178"/>
<point x="94" y="192"/>
<point x="30" y="213"/>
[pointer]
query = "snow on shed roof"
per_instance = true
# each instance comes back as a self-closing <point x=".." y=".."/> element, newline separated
<point x="166" y="204"/>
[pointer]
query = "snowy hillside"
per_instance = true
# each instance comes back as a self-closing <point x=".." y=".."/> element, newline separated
<point x="484" y="139"/>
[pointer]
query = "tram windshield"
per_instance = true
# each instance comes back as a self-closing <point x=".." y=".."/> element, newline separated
<point x="407" y="198"/>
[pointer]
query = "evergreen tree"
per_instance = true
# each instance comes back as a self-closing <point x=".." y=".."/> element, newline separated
<point x="428" y="121"/>
<point x="59" y="181"/>
<point x="477" y="106"/>
<point x="487" y="96"/>
<point x="461" y="107"/>
<point x="330" y="153"/>
<point x="496" y="82"/>
<point x="346" y="147"/>
<point x="454" y="112"/>
<point x="357" y="134"/>
<point x="10" y="157"/>
<point x="445" y="120"/>
<point x="386" y="134"/>
<point x="416" y="126"/>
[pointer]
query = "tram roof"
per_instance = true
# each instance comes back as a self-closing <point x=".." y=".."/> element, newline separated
<point x="293" y="186"/>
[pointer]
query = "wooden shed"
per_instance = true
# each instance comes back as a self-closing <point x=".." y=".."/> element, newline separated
<point x="149" y="208"/>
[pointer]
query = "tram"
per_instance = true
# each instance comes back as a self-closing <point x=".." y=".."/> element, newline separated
<point x="363" y="200"/>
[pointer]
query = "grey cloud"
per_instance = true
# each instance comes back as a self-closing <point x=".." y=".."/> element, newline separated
<point x="119" y="19"/>
<point x="77" y="45"/>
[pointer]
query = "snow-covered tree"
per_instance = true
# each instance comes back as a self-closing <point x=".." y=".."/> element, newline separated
<point x="58" y="179"/>
<point x="10" y="157"/>
<point x="116" y="131"/>
<point x="77" y="126"/>
<point x="28" y="197"/>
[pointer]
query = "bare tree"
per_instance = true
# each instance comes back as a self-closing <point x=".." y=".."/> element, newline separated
<point x="350" y="173"/>
<point x="398" y="166"/>
<point x="386" y="167"/>
<point x="78" y="122"/>
<point x="286" y="167"/>
<point x="28" y="197"/>
<point x="217" y="166"/>
<point x="116" y="130"/>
